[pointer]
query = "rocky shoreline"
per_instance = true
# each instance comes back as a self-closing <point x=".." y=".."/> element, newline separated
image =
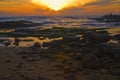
<point x="88" y="56"/>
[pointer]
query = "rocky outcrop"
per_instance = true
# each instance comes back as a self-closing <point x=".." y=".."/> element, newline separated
<point x="96" y="37"/>
<point x="70" y="38"/>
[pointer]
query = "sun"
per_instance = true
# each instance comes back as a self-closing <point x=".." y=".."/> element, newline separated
<point x="57" y="5"/>
<point x="53" y="4"/>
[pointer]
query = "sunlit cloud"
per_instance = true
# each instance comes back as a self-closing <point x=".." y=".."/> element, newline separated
<point x="63" y="7"/>
<point x="60" y="4"/>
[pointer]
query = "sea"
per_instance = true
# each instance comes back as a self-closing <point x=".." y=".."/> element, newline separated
<point x="52" y="21"/>
<point x="63" y="21"/>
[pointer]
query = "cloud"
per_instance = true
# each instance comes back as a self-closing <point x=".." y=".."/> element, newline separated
<point x="103" y="2"/>
<point x="19" y="7"/>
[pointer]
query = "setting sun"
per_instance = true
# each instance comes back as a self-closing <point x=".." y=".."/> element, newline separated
<point x="53" y="4"/>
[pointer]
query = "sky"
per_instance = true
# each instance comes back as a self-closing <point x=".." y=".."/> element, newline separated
<point x="72" y="7"/>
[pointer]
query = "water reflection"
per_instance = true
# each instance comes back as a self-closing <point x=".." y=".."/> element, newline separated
<point x="25" y="41"/>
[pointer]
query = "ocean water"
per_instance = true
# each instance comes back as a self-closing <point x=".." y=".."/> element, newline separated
<point x="52" y="21"/>
<point x="63" y="21"/>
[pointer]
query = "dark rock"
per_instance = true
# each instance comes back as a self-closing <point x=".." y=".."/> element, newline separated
<point x="102" y="50"/>
<point x="46" y="44"/>
<point x="114" y="69"/>
<point x="8" y="61"/>
<point x="70" y="77"/>
<point x="97" y="37"/>
<point x="116" y="54"/>
<point x="36" y="45"/>
<point x="116" y="37"/>
<point x="70" y="38"/>
<point x="94" y="77"/>
<point x="20" y="65"/>
<point x="54" y="43"/>
<point x="91" y="61"/>
<point x="78" y="56"/>
<point x="88" y="44"/>
<point x="40" y="78"/>
<point x="109" y="18"/>
<point x="75" y="44"/>
<point x="85" y="50"/>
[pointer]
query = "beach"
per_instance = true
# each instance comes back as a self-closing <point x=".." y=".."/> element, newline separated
<point x="66" y="58"/>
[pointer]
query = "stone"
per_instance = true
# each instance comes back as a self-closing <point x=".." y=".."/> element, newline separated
<point x="97" y="37"/>
<point x="70" y="38"/>
<point x="114" y="69"/>
<point x="102" y="50"/>
<point x="91" y="61"/>
<point x="70" y="77"/>
<point x="116" y="37"/>
<point x="75" y="44"/>
<point x="116" y="54"/>
<point x="94" y="77"/>
<point x="36" y="45"/>
<point x="53" y="43"/>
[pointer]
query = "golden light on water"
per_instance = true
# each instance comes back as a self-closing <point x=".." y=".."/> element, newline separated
<point x="60" y="4"/>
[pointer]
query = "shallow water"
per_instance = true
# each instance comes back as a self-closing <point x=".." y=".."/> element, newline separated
<point x="27" y="41"/>
<point x="55" y="21"/>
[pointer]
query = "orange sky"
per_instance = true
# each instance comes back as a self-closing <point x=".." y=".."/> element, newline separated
<point x="90" y="7"/>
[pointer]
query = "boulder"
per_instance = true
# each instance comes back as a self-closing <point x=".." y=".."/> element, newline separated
<point x="94" y="77"/>
<point x="53" y="43"/>
<point x="97" y="37"/>
<point x="75" y="44"/>
<point x="90" y="61"/>
<point x="116" y="37"/>
<point x="114" y="69"/>
<point x="70" y="77"/>
<point x="36" y="45"/>
<point x="102" y="50"/>
<point x="71" y="38"/>
<point x="116" y="54"/>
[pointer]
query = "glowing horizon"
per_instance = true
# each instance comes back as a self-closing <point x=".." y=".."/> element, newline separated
<point x="53" y="4"/>
<point x="58" y="7"/>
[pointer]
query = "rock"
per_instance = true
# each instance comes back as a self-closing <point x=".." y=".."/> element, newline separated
<point x="97" y="37"/>
<point x="119" y="41"/>
<point x="116" y="54"/>
<point x="94" y="77"/>
<point x="78" y="56"/>
<point x="53" y="43"/>
<point x="102" y="50"/>
<point x="75" y="44"/>
<point x="46" y="44"/>
<point x="36" y="45"/>
<point x="70" y="77"/>
<point x="114" y="69"/>
<point x="91" y="61"/>
<point x="88" y="44"/>
<point x="7" y="61"/>
<point x="40" y="78"/>
<point x="116" y="37"/>
<point x="70" y="38"/>
<point x="85" y="50"/>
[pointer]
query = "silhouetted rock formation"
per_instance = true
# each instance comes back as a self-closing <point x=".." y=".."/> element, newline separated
<point x="109" y="18"/>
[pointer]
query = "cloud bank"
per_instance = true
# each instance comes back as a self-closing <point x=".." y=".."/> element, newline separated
<point x="76" y="7"/>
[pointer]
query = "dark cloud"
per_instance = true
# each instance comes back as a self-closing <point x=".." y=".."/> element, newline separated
<point x="103" y="2"/>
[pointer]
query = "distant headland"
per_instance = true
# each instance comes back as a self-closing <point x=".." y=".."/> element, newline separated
<point x="109" y="18"/>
